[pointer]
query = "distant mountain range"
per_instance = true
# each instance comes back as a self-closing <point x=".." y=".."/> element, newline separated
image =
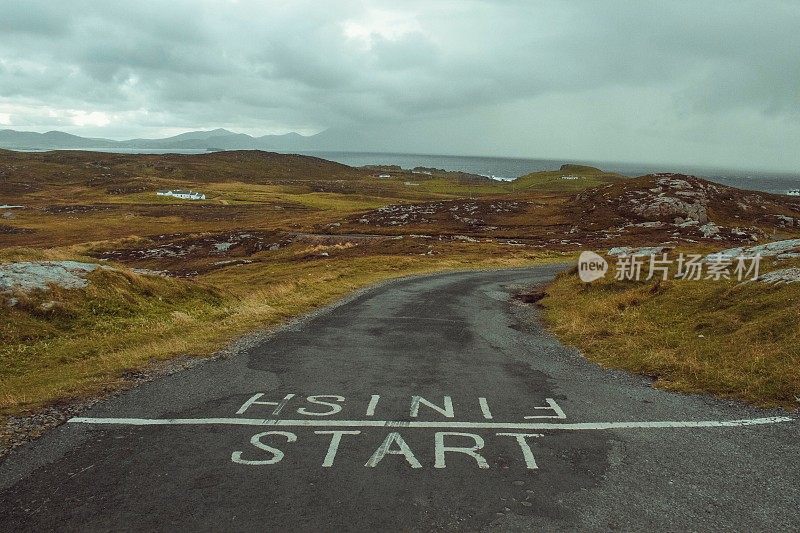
<point x="193" y="140"/>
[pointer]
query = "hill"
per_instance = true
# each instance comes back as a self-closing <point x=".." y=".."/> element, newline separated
<point x="24" y="172"/>
<point x="677" y="206"/>
<point x="219" y="138"/>
<point x="567" y="178"/>
<point x="51" y="140"/>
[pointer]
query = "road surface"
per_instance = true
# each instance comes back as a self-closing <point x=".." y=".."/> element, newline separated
<point x="432" y="403"/>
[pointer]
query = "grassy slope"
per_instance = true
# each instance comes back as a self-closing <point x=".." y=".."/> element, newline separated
<point x="90" y="338"/>
<point x="63" y="342"/>
<point x="736" y="341"/>
<point x="551" y="180"/>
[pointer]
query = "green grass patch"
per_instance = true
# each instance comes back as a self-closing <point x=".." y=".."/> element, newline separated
<point x="569" y="178"/>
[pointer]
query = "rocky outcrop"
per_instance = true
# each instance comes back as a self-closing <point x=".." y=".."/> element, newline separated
<point x="681" y="208"/>
<point x="709" y="229"/>
<point x="782" y="276"/>
<point x="28" y="276"/>
<point x="787" y="249"/>
<point x="640" y="251"/>
<point x="464" y="213"/>
<point x="677" y="198"/>
<point x="788" y="222"/>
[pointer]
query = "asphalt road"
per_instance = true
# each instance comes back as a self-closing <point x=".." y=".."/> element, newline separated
<point x="409" y="413"/>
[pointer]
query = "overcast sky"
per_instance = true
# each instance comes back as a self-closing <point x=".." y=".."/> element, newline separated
<point x="694" y="82"/>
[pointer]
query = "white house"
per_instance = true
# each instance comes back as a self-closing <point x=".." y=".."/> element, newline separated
<point x="384" y="176"/>
<point x="183" y="195"/>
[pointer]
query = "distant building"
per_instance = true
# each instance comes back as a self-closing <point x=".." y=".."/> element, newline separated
<point x="570" y="177"/>
<point x="183" y="195"/>
<point x="384" y="176"/>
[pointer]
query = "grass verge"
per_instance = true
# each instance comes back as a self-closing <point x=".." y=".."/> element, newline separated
<point x="738" y="341"/>
<point x="64" y="344"/>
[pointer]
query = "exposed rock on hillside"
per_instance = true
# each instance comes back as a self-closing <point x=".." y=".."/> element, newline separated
<point x="191" y="254"/>
<point x="673" y="197"/>
<point x="659" y="209"/>
<point x="784" y="275"/>
<point x="681" y="208"/>
<point x="445" y="214"/>
<point x="788" y="249"/>
<point x="641" y="251"/>
<point x="27" y="276"/>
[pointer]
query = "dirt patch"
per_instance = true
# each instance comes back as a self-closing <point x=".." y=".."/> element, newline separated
<point x="126" y="189"/>
<point x="199" y="212"/>
<point x="5" y="229"/>
<point x="74" y="209"/>
<point x="183" y="254"/>
<point x="531" y="296"/>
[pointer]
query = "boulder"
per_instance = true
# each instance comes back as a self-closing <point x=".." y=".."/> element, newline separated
<point x="638" y="251"/>
<point x="28" y="276"/>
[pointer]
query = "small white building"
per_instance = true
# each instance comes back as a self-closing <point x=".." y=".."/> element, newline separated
<point x="183" y="195"/>
<point x="384" y="176"/>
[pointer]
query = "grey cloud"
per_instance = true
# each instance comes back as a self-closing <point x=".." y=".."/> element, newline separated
<point x="422" y="66"/>
<point x="36" y="17"/>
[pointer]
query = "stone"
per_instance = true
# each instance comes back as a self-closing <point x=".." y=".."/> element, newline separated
<point x="780" y="249"/>
<point x="638" y="251"/>
<point x="782" y="276"/>
<point x="27" y="276"/>
<point x="709" y="229"/>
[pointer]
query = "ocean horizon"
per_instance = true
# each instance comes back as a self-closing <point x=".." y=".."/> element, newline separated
<point x="509" y="168"/>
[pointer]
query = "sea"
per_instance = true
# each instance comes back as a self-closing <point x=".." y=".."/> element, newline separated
<point x="510" y="168"/>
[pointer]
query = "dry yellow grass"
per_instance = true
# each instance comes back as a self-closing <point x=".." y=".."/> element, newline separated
<point x="736" y="341"/>
<point x="122" y="321"/>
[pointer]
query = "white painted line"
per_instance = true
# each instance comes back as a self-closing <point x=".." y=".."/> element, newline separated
<point x="487" y="413"/>
<point x="373" y="403"/>
<point x="425" y="424"/>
